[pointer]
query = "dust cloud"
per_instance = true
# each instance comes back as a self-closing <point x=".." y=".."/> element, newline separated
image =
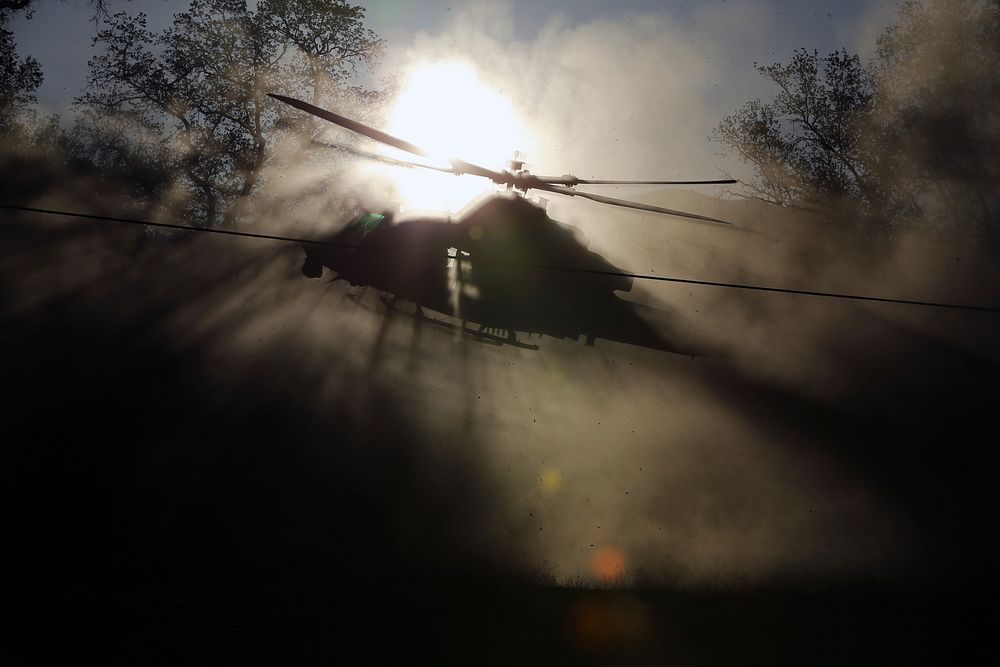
<point x="806" y="449"/>
<point x="825" y="441"/>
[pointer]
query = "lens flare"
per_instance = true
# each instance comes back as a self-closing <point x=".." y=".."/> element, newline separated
<point x="550" y="480"/>
<point x="608" y="564"/>
<point x="446" y="109"/>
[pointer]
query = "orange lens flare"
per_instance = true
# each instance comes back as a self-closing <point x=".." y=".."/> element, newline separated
<point x="608" y="564"/>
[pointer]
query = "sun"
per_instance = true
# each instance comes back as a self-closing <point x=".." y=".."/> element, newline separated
<point x="445" y="108"/>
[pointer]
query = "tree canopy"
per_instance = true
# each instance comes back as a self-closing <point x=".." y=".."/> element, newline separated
<point x="204" y="79"/>
<point x="912" y="135"/>
<point x="804" y="142"/>
<point x="19" y="77"/>
<point x="938" y="108"/>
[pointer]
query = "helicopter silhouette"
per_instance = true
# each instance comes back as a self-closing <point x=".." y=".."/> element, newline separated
<point x="502" y="267"/>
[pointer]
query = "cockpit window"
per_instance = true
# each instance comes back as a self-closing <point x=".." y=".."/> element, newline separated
<point x="369" y="221"/>
<point x="358" y="229"/>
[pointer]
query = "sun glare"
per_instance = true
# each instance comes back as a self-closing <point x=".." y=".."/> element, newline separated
<point x="446" y="109"/>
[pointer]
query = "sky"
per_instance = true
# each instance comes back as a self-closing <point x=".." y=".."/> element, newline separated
<point x="59" y="34"/>
<point x="557" y="65"/>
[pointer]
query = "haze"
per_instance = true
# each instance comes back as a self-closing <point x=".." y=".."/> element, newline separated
<point x="301" y="434"/>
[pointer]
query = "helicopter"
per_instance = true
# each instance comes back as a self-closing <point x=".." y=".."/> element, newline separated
<point x="503" y="265"/>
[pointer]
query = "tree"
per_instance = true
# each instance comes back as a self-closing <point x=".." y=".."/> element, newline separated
<point x="330" y="37"/>
<point x="19" y="78"/>
<point x="119" y="148"/>
<point x="804" y="143"/>
<point x="937" y="111"/>
<point x="204" y="80"/>
<point x="915" y="136"/>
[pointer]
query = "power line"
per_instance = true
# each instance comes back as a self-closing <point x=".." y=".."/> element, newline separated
<point x="167" y="225"/>
<point x="622" y="274"/>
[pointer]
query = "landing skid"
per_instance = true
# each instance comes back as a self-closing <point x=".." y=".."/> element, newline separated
<point x="478" y="334"/>
<point x="475" y="333"/>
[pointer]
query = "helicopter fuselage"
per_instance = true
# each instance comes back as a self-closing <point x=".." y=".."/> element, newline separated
<point x="505" y="265"/>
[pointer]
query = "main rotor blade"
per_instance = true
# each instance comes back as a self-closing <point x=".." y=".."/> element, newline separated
<point x="463" y="167"/>
<point x="719" y="181"/>
<point x="380" y="158"/>
<point x="628" y="204"/>
<point x="458" y="166"/>
<point x="573" y="180"/>
<point x="353" y="125"/>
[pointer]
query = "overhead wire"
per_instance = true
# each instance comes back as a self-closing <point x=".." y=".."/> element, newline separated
<point x="622" y="274"/>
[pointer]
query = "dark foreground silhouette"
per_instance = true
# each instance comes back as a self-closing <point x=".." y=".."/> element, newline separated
<point x="504" y="267"/>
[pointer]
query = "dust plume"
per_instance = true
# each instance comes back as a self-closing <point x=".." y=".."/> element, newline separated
<point x="818" y="445"/>
<point x="808" y="452"/>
